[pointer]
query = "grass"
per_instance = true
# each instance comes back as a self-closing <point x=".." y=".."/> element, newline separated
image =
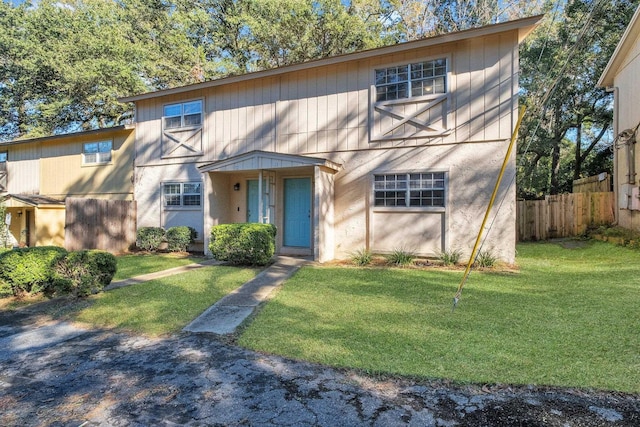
<point x="131" y="265"/>
<point x="569" y="318"/>
<point x="162" y="306"/>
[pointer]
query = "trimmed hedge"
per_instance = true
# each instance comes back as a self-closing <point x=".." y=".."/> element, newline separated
<point x="83" y="273"/>
<point x="54" y="271"/>
<point x="179" y="238"/>
<point x="149" y="238"/>
<point x="243" y="244"/>
<point x="29" y="270"/>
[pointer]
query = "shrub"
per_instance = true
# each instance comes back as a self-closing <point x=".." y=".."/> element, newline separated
<point x="83" y="273"/>
<point x="400" y="257"/>
<point x="29" y="270"/>
<point x="486" y="259"/>
<point x="243" y="244"/>
<point x="362" y="257"/>
<point x="179" y="238"/>
<point x="450" y="257"/>
<point x="149" y="238"/>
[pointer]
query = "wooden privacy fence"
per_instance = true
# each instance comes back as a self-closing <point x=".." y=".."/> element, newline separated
<point x="593" y="184"/>
<point x="563" y="215"/>
<point x="109" y="225"/>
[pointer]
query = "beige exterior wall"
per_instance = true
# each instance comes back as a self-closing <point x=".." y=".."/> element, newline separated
<point x="327" y="112"/>
<point x="49" y="226"/>
<point x="23" y="168"/>
<point x="626" y="84"/>
<point x="64" y="174"/>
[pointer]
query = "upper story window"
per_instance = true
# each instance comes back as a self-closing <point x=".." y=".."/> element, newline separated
<point x="3" y="161"/>
<point x="183" y="194"/>
<point x="411" y="80"/>
<point x="409" y="189"/>
<point x="182" y="115"/>
<point x="96" y="152"/>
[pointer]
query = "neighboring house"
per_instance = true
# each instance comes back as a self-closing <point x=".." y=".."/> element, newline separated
<point x="392" y="148"/>
<point x="37" y="175"/>
<point x="622" y="77"/>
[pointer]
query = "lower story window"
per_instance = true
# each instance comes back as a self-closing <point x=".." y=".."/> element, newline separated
<point x="182" y="193"/>
<point x="410" y="189"/>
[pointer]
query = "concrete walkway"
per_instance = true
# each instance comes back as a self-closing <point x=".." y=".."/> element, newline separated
<point x="227" y="314"/>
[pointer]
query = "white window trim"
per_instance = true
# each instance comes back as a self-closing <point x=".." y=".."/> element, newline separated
<point x="181" y="206"/>
<point x="98" y="161"/>
<point x="182" y="125"/>
<point x="410" y="208"/>
<point x="447" y="82"/>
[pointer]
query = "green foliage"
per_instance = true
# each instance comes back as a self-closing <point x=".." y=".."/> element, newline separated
<point x="82" y="273"/>
<point x="450" y="257"/>
<point x="400" y="257"/>
<point x="567" y="128"/>
<point x="29" y="270"/>
<point x="179" y="238"/>
<point x="243" y="244"/>
<point x="149" y="238"/>
<point x="486" y="259"/>
<point x="362" y="257"/>
<point x="4" y="236"/>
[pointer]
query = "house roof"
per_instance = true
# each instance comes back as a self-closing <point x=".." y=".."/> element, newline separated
<point x="523" y="26"/>
<point x="630" y="36"/>
<point x="257" y="159"/>
<point x="96" y="132"/>
<point x="20" y="200"/>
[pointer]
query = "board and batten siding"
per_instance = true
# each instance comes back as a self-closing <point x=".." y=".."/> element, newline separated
<point x="327" y="109"/>
<point x="64" y="174"/>
<point x="23" y="168"/>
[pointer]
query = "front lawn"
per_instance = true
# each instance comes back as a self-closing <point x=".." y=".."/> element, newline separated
<point x="569" y="318"/>
<point x="131" y="265"/>
<point x="161" y="306"/>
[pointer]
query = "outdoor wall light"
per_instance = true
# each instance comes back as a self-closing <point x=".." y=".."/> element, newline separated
<point x="236" y="186"/>
<point x="19" y="213"/>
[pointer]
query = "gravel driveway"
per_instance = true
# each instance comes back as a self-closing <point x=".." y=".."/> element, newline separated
<point x="55" y="373"/>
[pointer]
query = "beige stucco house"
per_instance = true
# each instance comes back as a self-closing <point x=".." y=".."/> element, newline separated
<point x="622" y="77"/>
<point x="40" y="173"/>
<point x="392" y="148"/>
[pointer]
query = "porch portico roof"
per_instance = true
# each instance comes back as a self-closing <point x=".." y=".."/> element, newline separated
<point x="256" y="160"/>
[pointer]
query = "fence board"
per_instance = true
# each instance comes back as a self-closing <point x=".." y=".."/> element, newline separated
<point x="109" y="225"/>
<point x="593" y="184"/>
<point x="563" y="215"/>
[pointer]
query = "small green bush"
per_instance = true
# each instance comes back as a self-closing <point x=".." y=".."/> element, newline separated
<point x="149" y="238"/>
<point x="400" y="258"/>
<point x="29" y="270"/>
<point x="486" y="259"/>
<point x="179" y="238"/>
<point x="83" y="273"/>
<point x="362" y="257"/>
<point x="450" y="257"/>
<point x="243" y="244"/>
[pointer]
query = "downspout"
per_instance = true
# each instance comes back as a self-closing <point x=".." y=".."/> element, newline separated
<point x="616" y="127"/>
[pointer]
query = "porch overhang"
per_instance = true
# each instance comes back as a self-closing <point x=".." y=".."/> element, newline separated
<point x="31" y="201"/>
<point x="261" y="160"/>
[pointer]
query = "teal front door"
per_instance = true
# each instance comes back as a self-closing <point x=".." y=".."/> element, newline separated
<point x="252" y="201"/>
<point x="297" y="212"/>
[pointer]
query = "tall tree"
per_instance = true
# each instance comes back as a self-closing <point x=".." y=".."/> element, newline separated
<point x="569" y="117"/>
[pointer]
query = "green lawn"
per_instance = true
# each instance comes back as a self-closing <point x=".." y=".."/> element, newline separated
<point x="131" y="265"/>
<point x="570" y="317"/>
<point x="161" y="306"/>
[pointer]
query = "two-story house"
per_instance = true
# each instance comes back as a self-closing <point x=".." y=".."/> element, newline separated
<point x="37" y="176"/>
<point x="391" y="148"/>
<point x="622" y="77"/>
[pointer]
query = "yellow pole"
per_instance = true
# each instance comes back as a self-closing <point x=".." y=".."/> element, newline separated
<point x="491" y="201"/>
